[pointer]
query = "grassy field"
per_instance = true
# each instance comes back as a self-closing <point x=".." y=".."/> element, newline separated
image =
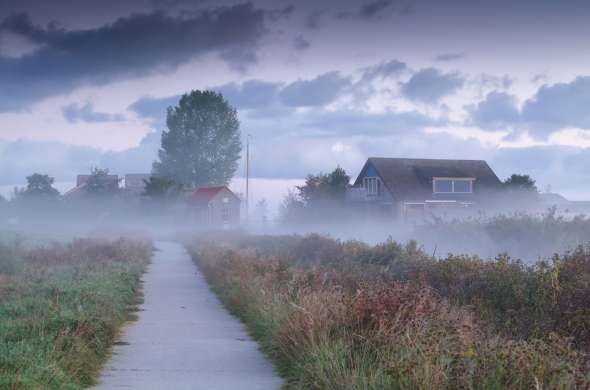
<point x="345" y="315"/>
<point x="61" y="307"/>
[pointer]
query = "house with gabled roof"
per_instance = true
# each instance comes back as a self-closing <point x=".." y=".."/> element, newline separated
<point x="408" y="186"/>
<point x="215" y="207"/>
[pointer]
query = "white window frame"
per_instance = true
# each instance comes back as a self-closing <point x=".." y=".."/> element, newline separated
<point x="372" y="185"/>
<point x="452" y="179"/>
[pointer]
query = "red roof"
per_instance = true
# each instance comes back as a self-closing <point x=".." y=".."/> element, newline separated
<point x="205" y="194"/>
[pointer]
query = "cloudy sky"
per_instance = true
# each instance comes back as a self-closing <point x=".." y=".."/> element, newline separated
<point x="316" y="83"/>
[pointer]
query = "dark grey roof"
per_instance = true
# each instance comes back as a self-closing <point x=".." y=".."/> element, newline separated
<point x="411" y="179"/>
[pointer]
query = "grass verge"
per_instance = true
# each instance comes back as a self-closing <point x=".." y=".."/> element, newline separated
<point x="61" y="308"/>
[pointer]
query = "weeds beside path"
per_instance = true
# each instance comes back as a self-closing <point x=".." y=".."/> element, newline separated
<point x="61" y="307"/>
<point x="348" y="316"/>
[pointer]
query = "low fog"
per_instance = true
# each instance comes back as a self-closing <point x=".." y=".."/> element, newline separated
<point x="529" y="232"/>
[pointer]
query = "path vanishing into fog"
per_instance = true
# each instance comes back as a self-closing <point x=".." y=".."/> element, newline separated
<point x="184" y="338"/>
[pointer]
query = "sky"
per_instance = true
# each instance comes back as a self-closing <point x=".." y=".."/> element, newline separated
<point x="317" y="84"/>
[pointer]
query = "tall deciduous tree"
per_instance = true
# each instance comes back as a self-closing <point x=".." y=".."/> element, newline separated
<point x="40" y="187"/>
<point x="159" y="189"/>
<point x="101" y="183"/>
<point x="321" y="188"/>
<point x="202" y="144"/>
<point x="320" y="198"/>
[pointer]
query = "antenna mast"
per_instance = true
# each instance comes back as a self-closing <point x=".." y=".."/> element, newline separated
<point x="247" y="174"/>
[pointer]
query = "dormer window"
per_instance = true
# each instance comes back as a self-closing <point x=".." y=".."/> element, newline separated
<point x="372" y="185"/>
<point x="451" y="185"/>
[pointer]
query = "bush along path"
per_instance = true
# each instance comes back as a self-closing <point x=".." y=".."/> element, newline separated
<point x="339" y="315"/>
<point x="61" y="308"/>
<point x="183" y="338"/>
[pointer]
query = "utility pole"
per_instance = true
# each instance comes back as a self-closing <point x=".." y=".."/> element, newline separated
<point x="247" y="175"/>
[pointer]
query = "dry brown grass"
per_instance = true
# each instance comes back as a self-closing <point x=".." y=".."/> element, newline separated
<point x="338" y="326"/>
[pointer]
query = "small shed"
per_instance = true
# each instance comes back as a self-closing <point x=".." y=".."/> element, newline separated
<point x="215" y="207"/>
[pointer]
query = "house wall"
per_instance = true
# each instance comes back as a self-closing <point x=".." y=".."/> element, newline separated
<point x="223" y="210"/>
<point x="384" y="197"/>
<point x="371" y="172"/>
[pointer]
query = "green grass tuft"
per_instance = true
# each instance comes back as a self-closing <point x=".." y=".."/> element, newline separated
<point x="61" y="308"/>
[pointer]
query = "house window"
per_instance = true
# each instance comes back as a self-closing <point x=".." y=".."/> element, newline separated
<point x="372" y="185"/>
<point x="463" y="186"/>
<point x="443" y="186"/>
<point x="452" y="186"/>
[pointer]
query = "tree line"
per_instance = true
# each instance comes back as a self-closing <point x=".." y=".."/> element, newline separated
<point x="200" y="147"/>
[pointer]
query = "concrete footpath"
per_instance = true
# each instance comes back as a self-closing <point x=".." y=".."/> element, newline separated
<point x="184" y="339"/>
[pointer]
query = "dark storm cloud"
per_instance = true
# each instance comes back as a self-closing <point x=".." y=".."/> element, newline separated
<point x="301" y="43"/>
<point x="152" y="107"/>
<point x="559" y="105"/>
<point x="314" y="18"/>
<point x="269" y="98"/>
<point x="281" y="13"/>
<point x="383" y="70"/>
<point x="376" y="8"/>
<point x="430" y="85"/>
<point x="168" y="4"/>
<point x="86" y="113"/>
<point x="359" y="123"/>
<point x="446" y="57"/>
<point x="497" y="110"/>
<point x="250" y="94"/>
<point x="320" y="91"/>
<point x="551" y="108"/>
<point x="129" y="47"/>
<point x="373" y="8"/>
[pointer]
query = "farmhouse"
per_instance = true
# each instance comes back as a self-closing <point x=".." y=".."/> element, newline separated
<point x="408" y="187"/>
<point x="215" y="207"/>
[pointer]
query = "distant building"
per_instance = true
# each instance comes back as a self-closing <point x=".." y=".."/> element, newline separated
<point x="134" y="183"/>
<point x="215" y="207"/>
<point x="412" y="187"/>
<point x="111" y="182"/>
